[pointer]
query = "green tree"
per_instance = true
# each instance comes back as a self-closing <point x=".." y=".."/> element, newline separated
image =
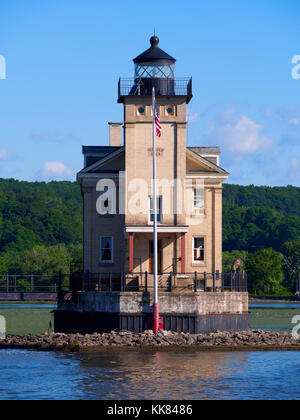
<point x="46" y="260"/>
<point x="3" y="265"/>
<point x="76" y="254"/>
<point x="232" y="258"/>
<point x="264" y="271"/>
<point x="291" y="263"/>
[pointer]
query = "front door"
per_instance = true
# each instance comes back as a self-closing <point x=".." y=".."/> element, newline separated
<point x="159" y="252"/>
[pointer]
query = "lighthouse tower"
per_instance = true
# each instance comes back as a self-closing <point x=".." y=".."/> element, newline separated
<point x="117" y="289"/>
<point x="155" y="68"/>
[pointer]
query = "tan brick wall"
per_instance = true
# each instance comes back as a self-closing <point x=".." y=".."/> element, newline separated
<point x="171" y="163"/>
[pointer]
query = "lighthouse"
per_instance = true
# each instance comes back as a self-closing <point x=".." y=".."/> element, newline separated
<point x="138" y="250"/>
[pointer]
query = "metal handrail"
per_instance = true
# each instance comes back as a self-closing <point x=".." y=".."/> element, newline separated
<point x="132" y="87"/>
<point x="124" y="281"/>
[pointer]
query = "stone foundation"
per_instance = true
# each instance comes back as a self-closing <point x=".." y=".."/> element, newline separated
<point x="89" y="312"/>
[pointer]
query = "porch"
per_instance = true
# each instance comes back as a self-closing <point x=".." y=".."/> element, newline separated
<point x="171" y="249"/>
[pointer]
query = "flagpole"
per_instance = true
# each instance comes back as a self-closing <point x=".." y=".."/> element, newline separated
<point x="155" y="265"/>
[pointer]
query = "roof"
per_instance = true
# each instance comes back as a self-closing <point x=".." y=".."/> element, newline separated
<point x="99" y="149"/>
<point x="216" y="150"/>
<point x="154" y="54"/>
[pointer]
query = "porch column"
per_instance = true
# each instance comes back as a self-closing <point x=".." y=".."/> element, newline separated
<point x="130" y="252"/>
<point x="183" y="253"/>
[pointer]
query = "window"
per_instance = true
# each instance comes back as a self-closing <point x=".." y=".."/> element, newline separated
<point x="198" y="198"/>
<point x="159" y="209"/>
<point x="141" y="110"/>
<point x="198" y="249"/>
<point x="170" y="110"/>
<point x="106" y="249"/>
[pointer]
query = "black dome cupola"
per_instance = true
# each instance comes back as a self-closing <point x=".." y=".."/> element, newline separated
<point x="154" y="62"/>
<point x="154" y="68"/>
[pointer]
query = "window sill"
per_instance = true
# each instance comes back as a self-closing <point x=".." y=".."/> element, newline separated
<point x="198" y="214"/>
<point x="200" y="263"/>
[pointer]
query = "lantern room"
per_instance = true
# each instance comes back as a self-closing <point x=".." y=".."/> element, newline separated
<point x="155" y="68"/>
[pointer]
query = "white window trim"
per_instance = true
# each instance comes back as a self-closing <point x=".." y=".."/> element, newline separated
<point x="202" y="209"/>
<point x="161" y="210"/>
<point x="173" y="113"/>
<point x="112" y="250"/>
<point x="193" y="249"/>
<point x="138" y="112"/>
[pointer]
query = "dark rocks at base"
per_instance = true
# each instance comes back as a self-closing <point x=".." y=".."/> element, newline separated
<point x="257" y="339"/>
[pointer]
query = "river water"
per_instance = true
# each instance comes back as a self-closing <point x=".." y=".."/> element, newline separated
<point x="149" y="375"/>
<point x="159" y="375"/>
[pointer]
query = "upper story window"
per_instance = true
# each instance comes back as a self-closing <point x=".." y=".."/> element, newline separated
<point x="170" y="110"/>
<point x="106" y="249"/>
<point x="198" y="250"/>
<point x="198" y="197"/>
<point x="141" y="110"/>
<point x="158" y="208"/>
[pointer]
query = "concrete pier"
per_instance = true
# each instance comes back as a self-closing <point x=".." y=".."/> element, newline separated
<point x="197" y="312"/>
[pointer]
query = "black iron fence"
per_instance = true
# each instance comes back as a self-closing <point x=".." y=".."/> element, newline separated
<point x="31" y="283"/>
<point x="123" y="282"/>
<point x="143" y="281"/>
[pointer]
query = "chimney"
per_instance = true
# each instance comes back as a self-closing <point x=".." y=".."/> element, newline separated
<point x="115" y="133"/>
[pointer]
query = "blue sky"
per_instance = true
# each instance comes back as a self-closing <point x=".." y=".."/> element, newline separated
<point x="64" y="59"/>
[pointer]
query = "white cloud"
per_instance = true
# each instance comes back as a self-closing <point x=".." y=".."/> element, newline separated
<point x="294" y="163"/>
<point x="53" y="170"/>
<point x="4" y="154"/>
<point x="294" y="121"/>
<point x="192" y="116"/>
<point x="241" y="135"/>
<point x="228" y="114"/>
<point x="53" y="137"/>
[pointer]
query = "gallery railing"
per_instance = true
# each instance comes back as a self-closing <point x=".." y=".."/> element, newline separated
<point x="164" y="87"/>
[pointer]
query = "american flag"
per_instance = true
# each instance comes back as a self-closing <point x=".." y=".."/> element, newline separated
<point x="157" y="123"/>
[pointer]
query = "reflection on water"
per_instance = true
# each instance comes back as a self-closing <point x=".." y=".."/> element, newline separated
<point x="137" y="375"/>
<point x="160" y="375"/>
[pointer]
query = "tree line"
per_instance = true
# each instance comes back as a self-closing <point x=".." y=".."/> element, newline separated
<point x="261" y="230"/>
<point x="41" y="231"/>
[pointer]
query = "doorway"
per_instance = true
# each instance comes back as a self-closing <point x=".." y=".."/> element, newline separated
<point x="151" y="259"/>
